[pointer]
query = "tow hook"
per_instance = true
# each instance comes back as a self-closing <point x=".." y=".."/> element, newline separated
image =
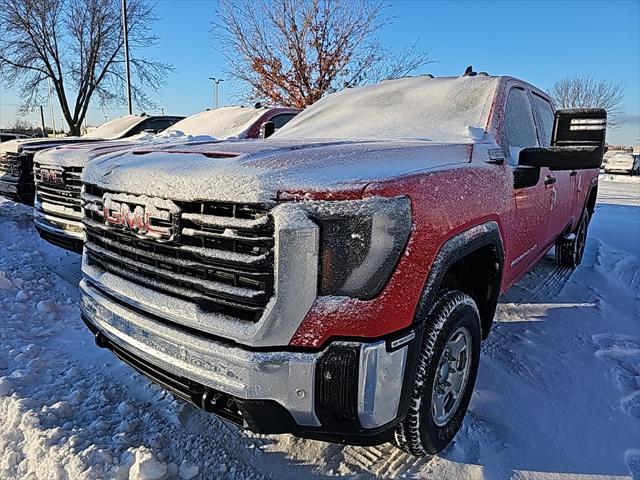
<point x="101" y="340"/>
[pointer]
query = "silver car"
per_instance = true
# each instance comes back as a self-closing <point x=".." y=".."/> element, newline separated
<point x="621" y="163"/>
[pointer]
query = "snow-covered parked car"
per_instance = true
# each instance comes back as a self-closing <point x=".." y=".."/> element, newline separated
<point x="16" y="156"/>
<point x="335" y="281"/>
<point x="621" y="163"/>
<point x="6" y="136"/>
<point x="58" y="212"/>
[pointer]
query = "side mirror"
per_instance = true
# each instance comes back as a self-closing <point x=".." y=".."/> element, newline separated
<point x="578" y="141"/>
<point x="267" y="129"/>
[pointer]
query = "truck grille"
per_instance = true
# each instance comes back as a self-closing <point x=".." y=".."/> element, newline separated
<point x="219" y="255"/>
<point x="10" y="164"/>
<point x="59" y="186"/>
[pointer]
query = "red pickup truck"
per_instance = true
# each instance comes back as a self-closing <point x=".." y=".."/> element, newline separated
<point x="335" y="280"/>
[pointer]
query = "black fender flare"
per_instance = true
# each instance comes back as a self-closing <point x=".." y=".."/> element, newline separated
<point x="453" y="250"/>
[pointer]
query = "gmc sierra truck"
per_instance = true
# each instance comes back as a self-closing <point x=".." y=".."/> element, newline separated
<point x="16" y="156"/>
<point x="58" y="212"/>
<point x="335" y="280"/>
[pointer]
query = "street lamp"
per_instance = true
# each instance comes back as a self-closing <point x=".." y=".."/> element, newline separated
<point x="216" y="85"/>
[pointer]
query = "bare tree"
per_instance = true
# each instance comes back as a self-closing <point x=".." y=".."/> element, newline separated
<point x="582" y="91"/>
<point x="77" y="45"/>
<point x="292" y="52"/>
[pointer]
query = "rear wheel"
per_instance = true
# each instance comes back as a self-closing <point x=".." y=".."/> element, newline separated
<point x="445" y="375"/>
<point x="569" y="251"/>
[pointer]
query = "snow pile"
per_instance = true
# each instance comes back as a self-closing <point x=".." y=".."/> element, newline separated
<point x="448" y="110"/>
<point x="557" y="394"/>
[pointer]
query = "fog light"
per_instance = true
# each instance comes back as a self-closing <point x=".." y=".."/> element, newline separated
<point x="337" y="386"/>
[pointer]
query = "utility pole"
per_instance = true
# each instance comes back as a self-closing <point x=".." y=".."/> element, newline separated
<point x="216" y="85"/>
<point x="44" y="133"/>
<point x="53" y="118"/>
<point x="125" y="32"/>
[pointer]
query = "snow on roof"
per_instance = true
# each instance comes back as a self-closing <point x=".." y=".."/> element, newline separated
<point x="221" y="123"/>
<point x="115" y="128"/>
<point x="448" y="110"/>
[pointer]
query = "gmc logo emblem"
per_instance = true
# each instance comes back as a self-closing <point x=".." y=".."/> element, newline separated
<point x="138" y="219"/>
<point x="50" y="175"/>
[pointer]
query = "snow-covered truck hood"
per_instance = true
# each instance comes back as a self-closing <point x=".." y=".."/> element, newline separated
<point x="17" y="146"/>
<point x="80" y="155"/>
<point x="255" y="171"/>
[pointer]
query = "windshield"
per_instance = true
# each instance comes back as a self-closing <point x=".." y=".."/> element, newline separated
<point x="221" y="123"/>
<point x="416" y="108"/>
<point x="115" y="128"/>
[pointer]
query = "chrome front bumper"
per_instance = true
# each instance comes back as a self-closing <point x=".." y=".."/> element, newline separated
<point x="47" y="220"/>
<point x="288" y="378"/>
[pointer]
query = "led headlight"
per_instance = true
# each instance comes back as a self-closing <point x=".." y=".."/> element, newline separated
<point x="360" y="243"/>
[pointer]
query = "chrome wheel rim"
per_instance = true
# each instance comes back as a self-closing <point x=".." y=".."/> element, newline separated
<point x="451" y="377"/>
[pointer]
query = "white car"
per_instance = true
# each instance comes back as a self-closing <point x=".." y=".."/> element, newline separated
<point x="621" y="163"/>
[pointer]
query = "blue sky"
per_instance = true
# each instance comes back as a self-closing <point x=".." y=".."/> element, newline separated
<point x="538" y="41"/>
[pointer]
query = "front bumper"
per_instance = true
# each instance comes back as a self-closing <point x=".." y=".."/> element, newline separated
<point x="305" y="387"/>
<point x="58" y="230"/>
<point x="619" y="167"/>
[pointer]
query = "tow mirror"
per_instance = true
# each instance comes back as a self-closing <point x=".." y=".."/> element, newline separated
<point x="267" y="129"/>
<point x="578" y="141"/>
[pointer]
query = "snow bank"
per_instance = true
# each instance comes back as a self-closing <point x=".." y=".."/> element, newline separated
<point x="448" y="110"/>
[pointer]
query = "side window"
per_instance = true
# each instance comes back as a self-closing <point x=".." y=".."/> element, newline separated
<point x="545" y="114"/>
<point x="157" y="125"/>
<point x="519" y="129"/>
<point x="282" y="119"/>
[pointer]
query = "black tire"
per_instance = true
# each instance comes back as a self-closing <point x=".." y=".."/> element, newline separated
<point x="418" y="433"/>
<point x="569" y="252"/>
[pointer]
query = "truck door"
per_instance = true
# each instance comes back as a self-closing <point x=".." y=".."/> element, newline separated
<point x="561" y="185"/>
<point x="531" y="197"/>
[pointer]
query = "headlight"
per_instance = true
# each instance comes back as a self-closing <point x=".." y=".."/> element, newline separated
<point x="360" y="243"/>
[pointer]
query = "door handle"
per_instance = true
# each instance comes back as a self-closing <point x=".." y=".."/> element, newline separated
<point x="573" y="173"/>
<point x="549" y="180"/>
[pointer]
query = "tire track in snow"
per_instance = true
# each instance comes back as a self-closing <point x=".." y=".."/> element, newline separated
<point x="384" y="461"/>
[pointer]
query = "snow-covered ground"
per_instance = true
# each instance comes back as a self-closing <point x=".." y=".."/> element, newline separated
<point x="557" y="397"/>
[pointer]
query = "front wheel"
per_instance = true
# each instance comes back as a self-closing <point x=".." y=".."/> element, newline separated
<point x="445" y="375"/>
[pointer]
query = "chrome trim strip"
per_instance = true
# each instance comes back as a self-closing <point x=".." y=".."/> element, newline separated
<point x="380" y="383"/>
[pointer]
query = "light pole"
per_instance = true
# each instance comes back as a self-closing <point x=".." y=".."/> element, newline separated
<point x="53" y="119"/>
<point x="216" y="85"/>
<point x="125" y="32"/>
